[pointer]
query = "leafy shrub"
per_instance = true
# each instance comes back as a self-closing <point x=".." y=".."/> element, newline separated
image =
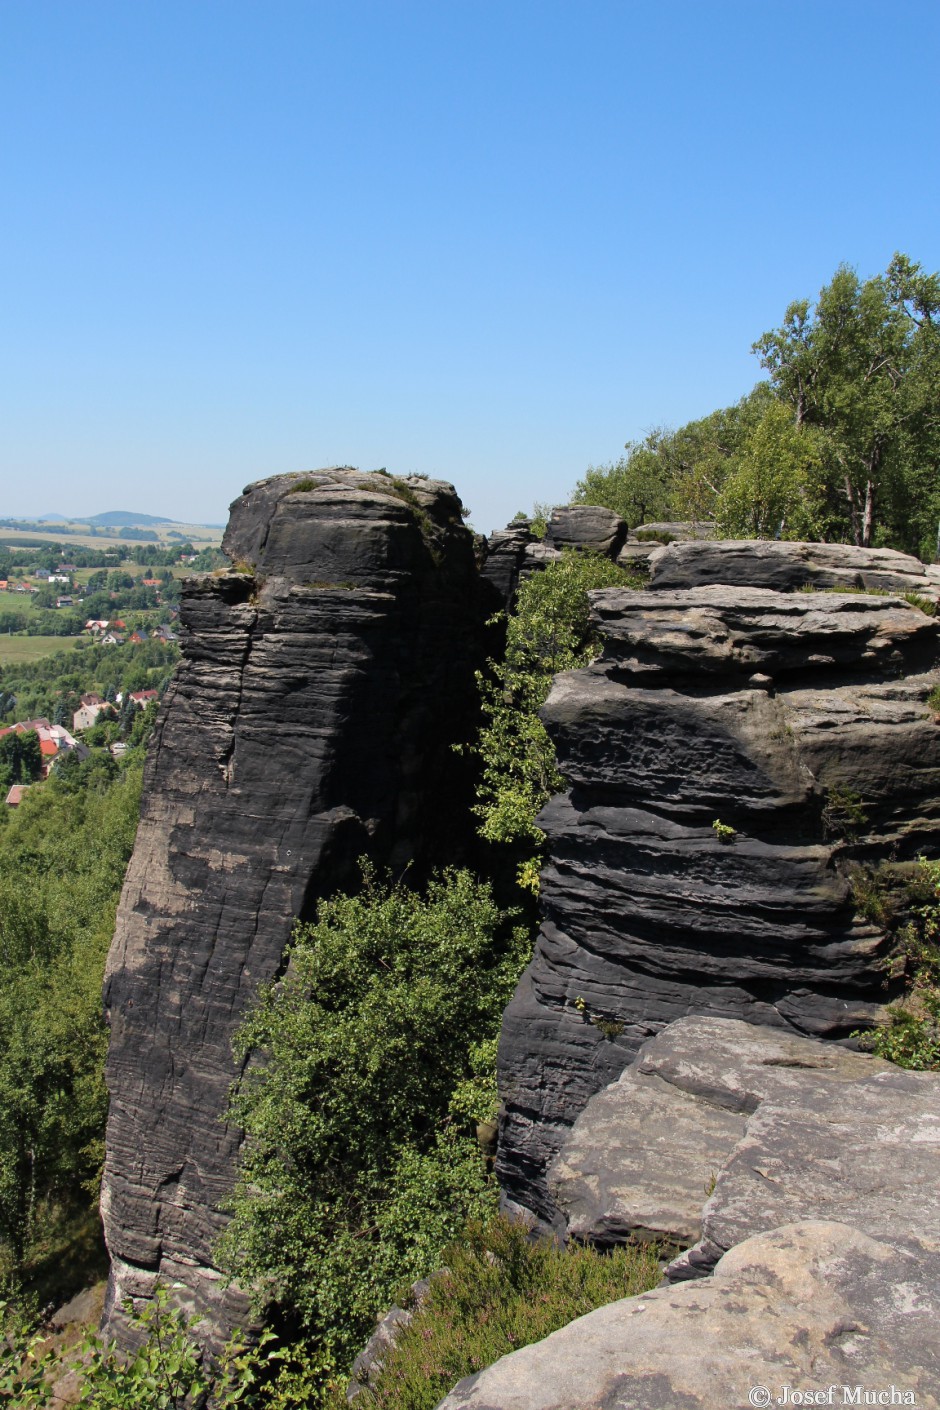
<point x="356" y="1173"/>
<point x="500" y="1291"/>
<point x="911" y="1038"/>
<point x="549" y="632"/>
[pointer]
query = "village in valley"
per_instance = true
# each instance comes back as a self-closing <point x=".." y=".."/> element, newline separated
<point x="88" y="640"/>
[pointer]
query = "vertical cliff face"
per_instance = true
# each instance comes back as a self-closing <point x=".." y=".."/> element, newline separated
<point x="797" y="721"/>
<point x="322" y="683"/>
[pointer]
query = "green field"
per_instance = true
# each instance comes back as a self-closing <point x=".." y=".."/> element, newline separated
<point x="133" y="567"/>
<point x="198" y="534"/>
<point x="16" y="649"/>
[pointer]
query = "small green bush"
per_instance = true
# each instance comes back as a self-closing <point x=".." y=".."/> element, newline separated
<point x="911" y="1038"/>
<point x="500" y="1290"/>
<point x="844" y="813"/>
<point x="927" y="605"/>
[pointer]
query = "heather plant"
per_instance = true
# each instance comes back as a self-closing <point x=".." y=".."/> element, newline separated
<point x="500" y="1290"/>
<point x="911" y="1037"/>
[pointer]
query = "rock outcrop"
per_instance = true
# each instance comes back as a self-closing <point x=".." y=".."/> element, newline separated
<point x="322" y="683"/>
<point x="787" y="1315"/>
<point x="821" y="1233"/>
<point x="787" y="566"/>
<point x="513" y="553"/>
<point x="739" y="759"/>
<point x="646" y="1151"/>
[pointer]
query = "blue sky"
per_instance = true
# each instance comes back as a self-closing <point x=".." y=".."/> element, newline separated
<point x="490" y="242"/>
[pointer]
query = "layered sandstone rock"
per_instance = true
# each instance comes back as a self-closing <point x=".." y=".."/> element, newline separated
<point x="322" y="683"/>
<point x="734" y="757"/>
<point x="786" y="566"/>
<point x="513" y="553"/>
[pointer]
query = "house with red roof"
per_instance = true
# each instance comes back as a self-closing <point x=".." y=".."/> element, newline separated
<point x="142" y="698"/>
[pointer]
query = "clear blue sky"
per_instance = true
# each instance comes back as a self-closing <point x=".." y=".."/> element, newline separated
<point x="486" y="241"/>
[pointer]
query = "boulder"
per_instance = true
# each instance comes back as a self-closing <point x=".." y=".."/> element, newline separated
<point x="786" y="566"/>
<point x="587" y="526"/>
<point x="676" y="530"/>
<point x="505" y="554"/>
<point x="868" y="1154"/>
<point x="787" y="1314"/>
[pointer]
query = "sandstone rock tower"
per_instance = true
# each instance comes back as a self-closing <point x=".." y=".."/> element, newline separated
<point x="323" y="680"/>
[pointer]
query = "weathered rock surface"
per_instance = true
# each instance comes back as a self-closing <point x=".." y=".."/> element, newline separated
<point x="323" y="680"/>
<point x="786" y="566"/>
<point x="645" y="1152"/>
<point x="799" y="723"/>
<point x="587" y="526"/>
<point x="807" y="1306"/>
<point x="868" y="1155"/>
<point x="679" y="530"/>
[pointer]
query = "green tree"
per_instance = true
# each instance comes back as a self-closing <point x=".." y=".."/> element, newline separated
<point x="354" y="1175"/>
<point x="775" y="487"/>
<point x="863" y="366"/>
<point x="62" y="861"/>
<point x="20" y="757"/>
<point x="639" y="486"/>
<point x="676" y="474"/>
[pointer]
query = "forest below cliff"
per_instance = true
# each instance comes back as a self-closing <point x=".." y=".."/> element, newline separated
<point x="392" y="1000"/>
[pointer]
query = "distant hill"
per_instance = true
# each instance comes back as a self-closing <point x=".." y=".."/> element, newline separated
<point x="122" y="518"/>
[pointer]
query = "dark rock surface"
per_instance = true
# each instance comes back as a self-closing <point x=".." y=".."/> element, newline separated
<point x="323" y="680"/>
<point x="786" y="566"/>
<point x="800" y="722"/>
<point x="679" y="530"/>
<point x="646" y="1151"/>
<point x="505" y="555"/>
<point x="587" y="526"/>
<point x="805" y="1307"/>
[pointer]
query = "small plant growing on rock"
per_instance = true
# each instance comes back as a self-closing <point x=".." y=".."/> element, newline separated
<point x="925" y="604"/>
<point x="723" y="831"/>
<point x="933" y="701"/>
<point x="610" y="1027"/>
<point x="844" y="814"/>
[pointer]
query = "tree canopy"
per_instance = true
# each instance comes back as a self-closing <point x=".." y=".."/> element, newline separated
<point x="840" y="444"/>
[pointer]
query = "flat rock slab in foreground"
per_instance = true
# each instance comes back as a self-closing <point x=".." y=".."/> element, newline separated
<point x="646" y="1151"/>
<point x="805" y="1307"/>
<point x="868" y="1154"/>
